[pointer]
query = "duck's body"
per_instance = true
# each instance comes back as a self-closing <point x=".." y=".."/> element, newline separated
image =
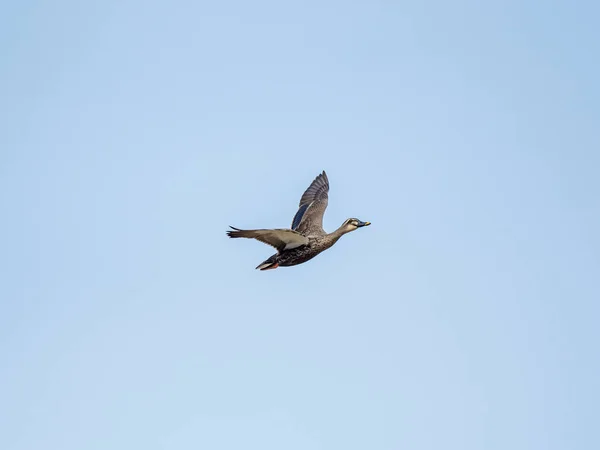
<point x="299" y="255"/>
<point x="306" y="238"/>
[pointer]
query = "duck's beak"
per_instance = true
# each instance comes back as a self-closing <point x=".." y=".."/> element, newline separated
<point x="364" y="224"/>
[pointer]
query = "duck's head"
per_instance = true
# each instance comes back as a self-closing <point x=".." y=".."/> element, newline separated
<point x="352" y="224"/>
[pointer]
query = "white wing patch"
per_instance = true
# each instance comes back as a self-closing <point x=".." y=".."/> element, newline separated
<point x="292" y="245"/>
<point x="290" y="238"/>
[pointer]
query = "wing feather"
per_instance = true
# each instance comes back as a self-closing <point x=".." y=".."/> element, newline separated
<point x="281" y="239"/>
<point x="309" y="218"/>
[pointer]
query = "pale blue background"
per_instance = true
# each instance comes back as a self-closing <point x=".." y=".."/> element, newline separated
<point x="134" y="132"/>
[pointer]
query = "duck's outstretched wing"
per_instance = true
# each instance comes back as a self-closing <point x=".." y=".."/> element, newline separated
<point x="309" y="218"/>
<point x="281" y="239"/>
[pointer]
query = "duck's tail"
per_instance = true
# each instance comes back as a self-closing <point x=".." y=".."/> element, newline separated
<point x="268" y="264"/>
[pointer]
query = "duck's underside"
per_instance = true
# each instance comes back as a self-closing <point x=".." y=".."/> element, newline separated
<point x="290" y="258"/>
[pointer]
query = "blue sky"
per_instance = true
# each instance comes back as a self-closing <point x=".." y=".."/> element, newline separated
<point x="133" y="133"/>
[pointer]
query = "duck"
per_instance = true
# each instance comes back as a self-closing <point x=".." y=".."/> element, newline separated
<point x="306" y="238"/>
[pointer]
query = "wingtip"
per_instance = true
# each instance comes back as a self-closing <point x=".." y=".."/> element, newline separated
<point x="231" y="232"/>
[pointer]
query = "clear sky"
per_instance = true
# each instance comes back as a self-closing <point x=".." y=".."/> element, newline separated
<point x="132" y="133"/>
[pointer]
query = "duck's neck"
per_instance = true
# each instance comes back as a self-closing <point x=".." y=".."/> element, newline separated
<point x="338" y="233"/>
